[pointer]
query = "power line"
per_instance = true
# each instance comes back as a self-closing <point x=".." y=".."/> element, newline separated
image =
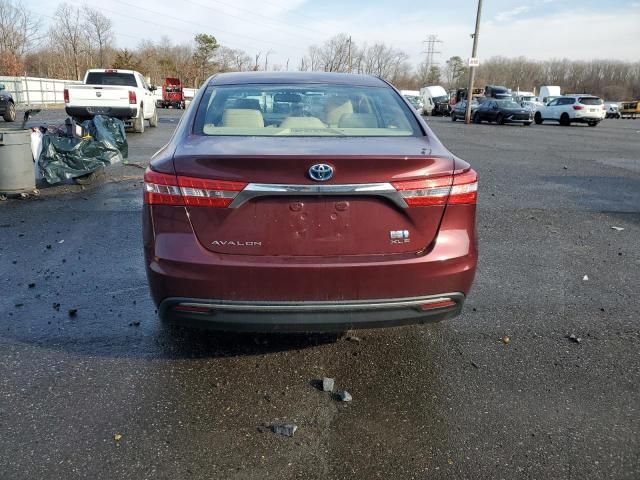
<point x="144" y="20"/>
<point x="250" y="12"/>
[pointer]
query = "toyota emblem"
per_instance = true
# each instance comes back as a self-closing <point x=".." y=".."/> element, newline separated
<point x="98" y="94"/>
<point x="321" y="172"/>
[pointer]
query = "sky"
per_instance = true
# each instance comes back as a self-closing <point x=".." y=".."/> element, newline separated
<point x="536" y="29"/>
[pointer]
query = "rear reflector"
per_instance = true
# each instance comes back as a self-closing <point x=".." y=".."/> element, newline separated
<point x="445" y="302"/>
<point x="166" y="189"/>
<point x="461" y="188"/>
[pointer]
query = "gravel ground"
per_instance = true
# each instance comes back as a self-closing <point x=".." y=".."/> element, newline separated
<point x="108" y="392"/>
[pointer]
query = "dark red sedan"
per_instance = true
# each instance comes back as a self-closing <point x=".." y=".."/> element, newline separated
<point x="307" y="202"/>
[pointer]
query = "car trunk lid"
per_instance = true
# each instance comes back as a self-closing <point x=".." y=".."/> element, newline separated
<point x="282" y="211"/>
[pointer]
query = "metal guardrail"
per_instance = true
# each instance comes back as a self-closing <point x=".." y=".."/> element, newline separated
<point x="33" y="91"/>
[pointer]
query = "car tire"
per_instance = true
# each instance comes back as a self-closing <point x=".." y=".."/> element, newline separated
<point x="476" y="118"/>
<point x="527" y="124"/>
<point x="592" y="124"/>
<point x="138" y="122"/>
<point x="500" y="119"/>
<point x="153" y="121"/>
<point x="565" y="121"/>
<point x="10" y="113"/>
<point x="538" y="118"/>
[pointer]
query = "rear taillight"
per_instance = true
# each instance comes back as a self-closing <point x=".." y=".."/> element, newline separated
<point x="578" y="107"/>
<point x="66" y="95"/>
<point x="440" y="190"/>
<point x="164" y="189"/>
<point x="132" y="97"/>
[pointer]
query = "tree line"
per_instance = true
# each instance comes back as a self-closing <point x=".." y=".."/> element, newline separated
<point x="83" y="37"/>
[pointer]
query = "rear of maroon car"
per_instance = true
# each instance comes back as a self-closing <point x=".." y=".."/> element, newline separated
<point x="241" y="232"/>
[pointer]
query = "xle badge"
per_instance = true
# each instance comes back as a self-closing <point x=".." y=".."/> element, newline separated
<point x="399" y="237"/>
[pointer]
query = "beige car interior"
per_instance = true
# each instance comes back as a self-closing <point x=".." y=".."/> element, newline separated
<point x="244" y="115"/>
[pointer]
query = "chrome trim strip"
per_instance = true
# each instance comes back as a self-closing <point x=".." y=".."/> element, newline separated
<point x="254" y="190"/>
<point x="413" y="302"/>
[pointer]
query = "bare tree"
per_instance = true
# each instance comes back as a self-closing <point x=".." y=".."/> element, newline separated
<point x="100" y="30"/>
<point x="68" y="32"/>
<point x="19" y="28"/>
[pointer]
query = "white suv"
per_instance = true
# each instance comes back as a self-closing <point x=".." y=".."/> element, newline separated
<point x="572" y="108"/>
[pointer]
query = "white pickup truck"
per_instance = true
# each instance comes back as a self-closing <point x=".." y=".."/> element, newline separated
<point x="123" y="94"/>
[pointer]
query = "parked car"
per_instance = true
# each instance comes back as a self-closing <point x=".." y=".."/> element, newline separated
<point x="7" y="105"/>
<point x="435" y="101"/>
<point x="528" y="100"/>
<point x="572" y="109"/>
<point x="460" y="110"/>
<point x="413" y="97"/>
<point x="612" y="110"/>
<point x="257" y="220"/>
<point x="501" y="112"/>
<point x="123" y="94"/>
<point x="499" y="92"/>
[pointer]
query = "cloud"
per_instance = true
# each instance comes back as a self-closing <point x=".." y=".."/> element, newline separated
<point x="509" y="14"/>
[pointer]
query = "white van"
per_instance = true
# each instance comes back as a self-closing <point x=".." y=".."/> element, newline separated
<point x="435" y="100"/>
<point x="547" y="93"/>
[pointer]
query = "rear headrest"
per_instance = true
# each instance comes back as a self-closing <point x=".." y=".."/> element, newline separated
<point x="336" y="107"/>
<point x="248" y="103"/>
<point x="358" y="120"/>
<point x="242" y="118"/>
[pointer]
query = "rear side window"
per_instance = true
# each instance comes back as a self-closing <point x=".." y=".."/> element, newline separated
<point x="111" y="78"/>
<point x="313" y="110"/>
<point x="590" y="101"/>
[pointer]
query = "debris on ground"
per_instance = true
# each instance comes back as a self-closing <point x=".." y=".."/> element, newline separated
<point x="285" y="429"/>
<point x="117" y="437"/>
<point x="328" y="384"/>
<point x="73" y="312"/>
<point x="474" y="364"/>
<point x="136" y="323"/>
<point x="56" y="307"/>
<point x="617" y="229"/>
<point x="32" y="285"/>
<point x="344" y="396"/>
<point x="574" y="339"/>
<point x="585" y="278"/>
<point x="506" y="340"/>
<point x="354" y="339"/>
<point x="61" y="241"/>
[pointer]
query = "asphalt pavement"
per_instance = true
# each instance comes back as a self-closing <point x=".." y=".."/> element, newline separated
<point x="93" y="386"/>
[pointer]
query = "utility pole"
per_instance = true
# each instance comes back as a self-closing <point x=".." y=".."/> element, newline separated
<point x="350" y="64"/>
<point x="472" y="69"/>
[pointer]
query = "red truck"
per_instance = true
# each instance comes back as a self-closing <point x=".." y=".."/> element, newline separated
<point x="172" y="94"/>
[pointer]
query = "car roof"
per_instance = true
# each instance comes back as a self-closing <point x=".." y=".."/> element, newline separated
<point x="241" y="78"/>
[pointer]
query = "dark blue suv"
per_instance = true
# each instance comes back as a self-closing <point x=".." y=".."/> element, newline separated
<point x="7" y="105"/>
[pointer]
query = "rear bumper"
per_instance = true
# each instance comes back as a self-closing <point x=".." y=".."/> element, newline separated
<point x="309" y="316"/>
<point x="331" y="293"/>
<point x="88" y="112"/>
<point x="586" y="119"/>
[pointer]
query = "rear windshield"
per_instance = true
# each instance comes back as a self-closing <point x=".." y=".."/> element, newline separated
<point x="108" y="78"/>
<point x="590" y="101"/>
<point x="314" y="110"/>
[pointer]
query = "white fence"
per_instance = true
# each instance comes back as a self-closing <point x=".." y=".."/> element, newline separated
<point x="31" y="91"/>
